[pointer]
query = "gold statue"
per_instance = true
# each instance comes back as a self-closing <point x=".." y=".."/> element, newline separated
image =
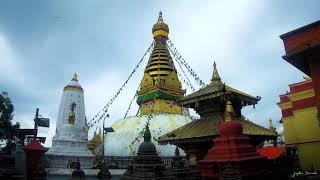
<point x="72" y="115"/>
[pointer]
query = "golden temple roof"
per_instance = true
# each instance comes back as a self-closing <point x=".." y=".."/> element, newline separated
<point x="205" y="128"/>
<point x="217" y="88"/>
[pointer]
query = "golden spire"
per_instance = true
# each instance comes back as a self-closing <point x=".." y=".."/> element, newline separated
<point x="215" y="75"/>
<point x="229" y="113"/>
<point x="271" y="125"/>
<point x="160" y="86"/>
<point x="75" y="77"/>
<point x="160" y="28"/>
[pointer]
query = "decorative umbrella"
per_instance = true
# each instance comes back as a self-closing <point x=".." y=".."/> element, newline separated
<point x="271" y="152"/>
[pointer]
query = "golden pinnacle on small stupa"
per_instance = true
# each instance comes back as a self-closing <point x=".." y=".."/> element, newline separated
<point x="229" y="112"/>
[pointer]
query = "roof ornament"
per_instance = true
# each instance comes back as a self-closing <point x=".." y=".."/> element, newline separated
<point x="147" y="134"/>
<point x="215" y="75"/>
<point x="160" y="17"/>
<point x="229" y="112"/>
<point x="271" y="125"/>
<point x="177" y="153"/>
<point x="160" y="28"/>
<point x="75" y="77"/>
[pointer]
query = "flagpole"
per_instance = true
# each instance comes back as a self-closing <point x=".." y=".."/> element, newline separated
<point x="35" y="124"/>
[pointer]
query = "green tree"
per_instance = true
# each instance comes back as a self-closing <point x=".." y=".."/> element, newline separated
<point x="6" y="111"/>
<point x="6" y="115"/>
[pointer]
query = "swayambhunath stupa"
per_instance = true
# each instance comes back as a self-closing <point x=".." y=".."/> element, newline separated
<point x="159" y="90"/>
<point x="240" y="122"/>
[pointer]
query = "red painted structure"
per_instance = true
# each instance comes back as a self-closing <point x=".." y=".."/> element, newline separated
<point x="232" y="147"/>
<point x="34" y="154"/>
<point x="302" y="48"/>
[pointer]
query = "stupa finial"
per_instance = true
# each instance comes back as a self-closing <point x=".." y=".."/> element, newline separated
<point x="215" y="75"/>
<point x="160" y="28"/>
<point x="75" y="77"/>
<point x="229" y="113"/>
<point x="147" y="134"/>
<point x="177" y="153"/>
<point x="160" y="17"/>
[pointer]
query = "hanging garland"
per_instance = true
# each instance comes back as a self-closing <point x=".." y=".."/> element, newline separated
<point x="188" y="82"/>
<point x="178" y="57"/>
<point x="104" y="110"/>
<point x="134" y="97"/>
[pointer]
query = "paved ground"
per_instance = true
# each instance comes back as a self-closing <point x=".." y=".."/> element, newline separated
<point x="64" y="174"/>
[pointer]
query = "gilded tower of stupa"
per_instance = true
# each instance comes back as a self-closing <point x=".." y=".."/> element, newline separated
<point x="159" y="90"/>
<point x="160" y="86"/>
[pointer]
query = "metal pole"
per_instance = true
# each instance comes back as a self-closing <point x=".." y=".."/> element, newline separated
<point x="35" y="124"/>
<point x="103" y="139"/>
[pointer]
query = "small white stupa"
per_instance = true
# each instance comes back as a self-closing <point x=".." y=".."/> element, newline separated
<point x="70" y="140"/>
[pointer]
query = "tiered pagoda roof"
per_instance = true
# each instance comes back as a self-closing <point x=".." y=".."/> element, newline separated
<point x="203" y="129"/>
<point x="210" y="103"/>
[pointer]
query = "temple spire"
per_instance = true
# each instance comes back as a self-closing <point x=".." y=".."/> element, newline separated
<point x="271" y="125"/>
<point x="215" y="75"/>
<point x="229" y="112"/>
<point x="147" y="134"/>
<point x="160" y="28"/>
<point x="160" y="17"/>
<point x="75" y="77"/>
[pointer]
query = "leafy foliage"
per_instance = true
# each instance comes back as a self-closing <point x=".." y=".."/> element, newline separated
<point x="6" y="115"/>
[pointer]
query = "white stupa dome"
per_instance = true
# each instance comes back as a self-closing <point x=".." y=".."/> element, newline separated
<point x="128" y="133"/>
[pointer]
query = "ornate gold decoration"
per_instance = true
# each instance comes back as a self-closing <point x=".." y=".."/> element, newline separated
<point x="229" y="113"/>
<point x="71" y="114"/>
<point x="172" y="81"/>
<point x="160" y="28"/>
<point x="95" y="142"/>
<point x="160" y="105"/>
<point x="286" y="105"/>
<point x="72" y="88"/>
<point x="160" y="83"/>
<point x="301" y="95"/>
<point x="215" y="75"/>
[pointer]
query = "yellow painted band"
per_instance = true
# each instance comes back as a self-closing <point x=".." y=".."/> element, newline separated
<point x="160" y="33"/>
<point x="285" y="105"/>
<point x="73" y="89"/>
<point x="301" y="95"/>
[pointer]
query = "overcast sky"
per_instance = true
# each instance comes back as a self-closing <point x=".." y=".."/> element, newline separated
<point x="42" y="43"/>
